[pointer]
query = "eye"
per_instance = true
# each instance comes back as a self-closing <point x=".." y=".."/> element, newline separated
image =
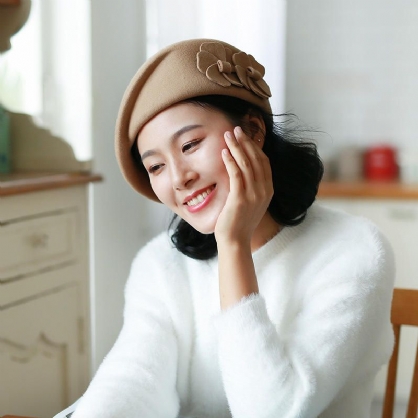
<point x="189" y="145"/>
<point x="154" y="168"/>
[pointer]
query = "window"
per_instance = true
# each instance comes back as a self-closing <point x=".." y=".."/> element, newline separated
<point x="47" y="71"/>
<point x="256" y="27"/>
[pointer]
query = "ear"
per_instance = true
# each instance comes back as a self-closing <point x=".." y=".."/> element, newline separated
<point x="257" y="128"/>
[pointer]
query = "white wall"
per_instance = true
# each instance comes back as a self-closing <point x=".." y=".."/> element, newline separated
<point x="352" y="69"/>
<point x="119" y="214"/>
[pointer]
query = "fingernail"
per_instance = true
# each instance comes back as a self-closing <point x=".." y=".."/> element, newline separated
<point x="228" y="135"/>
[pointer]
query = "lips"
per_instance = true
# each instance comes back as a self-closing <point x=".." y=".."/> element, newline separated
<point x="198" y="197"/>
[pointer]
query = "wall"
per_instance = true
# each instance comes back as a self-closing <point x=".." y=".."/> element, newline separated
<point x="351" y="70"/>
<point x="120" y="215"/>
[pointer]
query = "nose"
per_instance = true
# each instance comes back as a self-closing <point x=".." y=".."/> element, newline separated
<point x="182" y="175"/>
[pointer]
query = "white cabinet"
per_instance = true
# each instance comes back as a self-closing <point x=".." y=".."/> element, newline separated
<point x="40" y="351"/>
<point x="397" y="218"/>
<point x="44" y="300"/>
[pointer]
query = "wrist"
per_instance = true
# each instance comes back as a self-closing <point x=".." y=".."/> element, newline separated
<point x="237" y="277"/>
<point x="233" y="246"/>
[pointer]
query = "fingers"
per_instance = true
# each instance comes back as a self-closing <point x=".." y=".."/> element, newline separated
<point x="240" y="157"/>
<point x="234" y="172"/>
<point x="251" y="185"/>
<point x="249" y="157"/>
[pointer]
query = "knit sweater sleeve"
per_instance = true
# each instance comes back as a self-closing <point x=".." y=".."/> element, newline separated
<point x="138" y="376"/>
<point x="338" y="333"/>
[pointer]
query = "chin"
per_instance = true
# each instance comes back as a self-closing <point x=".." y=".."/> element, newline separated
<point x="204" y="231"/>
<point x="203" y="223"/>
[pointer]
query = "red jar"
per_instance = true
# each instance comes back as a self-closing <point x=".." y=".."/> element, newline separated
<point x="380" y="163"/>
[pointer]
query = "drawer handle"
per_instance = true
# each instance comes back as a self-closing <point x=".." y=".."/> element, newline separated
<point x="39" y="240"/>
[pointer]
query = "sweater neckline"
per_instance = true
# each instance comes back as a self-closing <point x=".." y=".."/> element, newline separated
<point x="280" y="241"/>
<point x="277" y="244"/>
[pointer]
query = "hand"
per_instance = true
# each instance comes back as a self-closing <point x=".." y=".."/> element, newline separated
<point x="251" y="188"/>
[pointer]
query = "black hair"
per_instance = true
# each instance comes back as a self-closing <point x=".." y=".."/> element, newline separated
<point x="296" y="170"/>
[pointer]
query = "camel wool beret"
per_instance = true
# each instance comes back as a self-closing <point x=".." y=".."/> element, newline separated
<point x="181" y="71"/>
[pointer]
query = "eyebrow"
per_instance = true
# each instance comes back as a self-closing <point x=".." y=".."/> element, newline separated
<point x="173" y="138"/>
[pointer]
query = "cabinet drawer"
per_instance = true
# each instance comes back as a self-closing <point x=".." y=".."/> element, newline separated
<point x="30" y="246"/>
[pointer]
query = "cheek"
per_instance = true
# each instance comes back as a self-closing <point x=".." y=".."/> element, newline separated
<point x="218" y="164"/>
<point x="161" y="188"/>
<point x="215" y="157"/>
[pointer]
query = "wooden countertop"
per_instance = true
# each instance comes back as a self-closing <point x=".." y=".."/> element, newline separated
<point x="32" y="181"/>
<point x="368" y="190"/>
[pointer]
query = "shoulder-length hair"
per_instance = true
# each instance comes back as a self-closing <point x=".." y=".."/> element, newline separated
<point x="296" y="170"/>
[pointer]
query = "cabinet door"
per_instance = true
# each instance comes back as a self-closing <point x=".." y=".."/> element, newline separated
<point x="41" y="354"/>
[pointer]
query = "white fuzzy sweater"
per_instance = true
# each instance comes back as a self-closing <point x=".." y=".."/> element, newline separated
<point x="309" y="345"/>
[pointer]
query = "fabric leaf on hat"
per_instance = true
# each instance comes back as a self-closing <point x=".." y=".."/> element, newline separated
<point x="215" y="61"/>
<point x="251" y="74"/>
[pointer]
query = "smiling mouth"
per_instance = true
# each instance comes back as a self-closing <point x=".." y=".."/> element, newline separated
<point x="200" y="197"/>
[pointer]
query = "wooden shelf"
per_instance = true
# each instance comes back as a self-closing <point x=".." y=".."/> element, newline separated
<point x="368" y="190"/>
<point x="31" y="181"/>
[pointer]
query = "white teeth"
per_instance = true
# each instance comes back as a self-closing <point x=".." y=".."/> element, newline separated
<point x="199" y="198"/>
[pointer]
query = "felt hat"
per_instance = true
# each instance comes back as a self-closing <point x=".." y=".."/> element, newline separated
<point x="181" y="71"/>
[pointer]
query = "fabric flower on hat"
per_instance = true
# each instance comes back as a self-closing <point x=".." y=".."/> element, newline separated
<point x="251" y="74"/>
<point x="226" y="69"/>
<point x="215" y="61"/>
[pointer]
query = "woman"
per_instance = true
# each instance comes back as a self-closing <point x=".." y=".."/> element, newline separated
<point x="258" y="303"/>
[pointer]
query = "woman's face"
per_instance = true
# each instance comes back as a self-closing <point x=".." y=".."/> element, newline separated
<point x="181" y="151"/>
